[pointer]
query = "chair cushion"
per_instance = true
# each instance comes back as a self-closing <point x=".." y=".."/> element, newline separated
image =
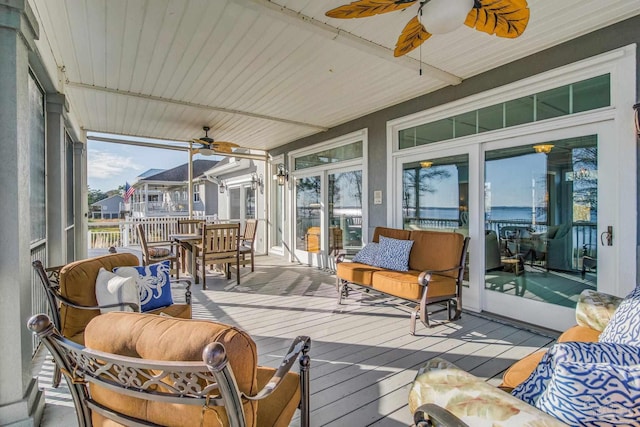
<point x="355" y="272"/>
<point x="368" y="254"/>
<point x="77" y="283"/>
<point x="580" y="334"/>
<point x="593" y="394"/>
<point x="393" y="254"/>
<point x="617" y="354"/>
<point x="114" y="289"/>
<point x="624" y="327"/>
<point x="153" y="282"/>
<point x="153" y="337"/>
<point x="159" y="252"/>
<point x="521" y="370"/>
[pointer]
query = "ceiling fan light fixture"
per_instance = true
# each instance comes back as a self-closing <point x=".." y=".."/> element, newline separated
<point x="426" y="164"/>
<point x="206" y="151"/>
<point x="443" y="16"/>
<point x="543" y="148"/>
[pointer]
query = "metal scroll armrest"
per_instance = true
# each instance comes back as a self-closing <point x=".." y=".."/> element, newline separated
<point x="70" y="303"/>
<point x="340" y="257"/>
<point x="431" y="414"/>
<point x="425" y="277"/>
<point x="298" y="350"/>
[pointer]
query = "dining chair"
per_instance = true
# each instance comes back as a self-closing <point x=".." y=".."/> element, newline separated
<point x="220" y="246"/>
<point x="248" y="242"/>
<point x="158" y="251"/>
<point x="188" y="226"/>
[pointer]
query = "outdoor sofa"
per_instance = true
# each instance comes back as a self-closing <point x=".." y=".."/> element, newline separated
<point x="419" y="266"/>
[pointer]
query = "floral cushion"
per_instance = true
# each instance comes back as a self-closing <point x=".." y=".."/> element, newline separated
<point x="114" y="289"/>
<point x="595" y="309"/>
<point x="393" y="254"/>
<point x="584" y="352"/>
<point x="159" y="252"/>
<point x="593" y="394"/>
<point x="624" y="327"/>
<point x="368" y="254"/>
<point x="153" y="283"/>
<point x="471" y="399"/>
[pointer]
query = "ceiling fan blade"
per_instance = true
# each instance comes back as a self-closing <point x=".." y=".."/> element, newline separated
<point x="412" y="36"/>
<point x="365" y="8"/>
<point x="225" y="144"/>
<point x="504" y="18"/>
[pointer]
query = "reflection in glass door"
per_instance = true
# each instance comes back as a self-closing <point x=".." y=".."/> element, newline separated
<point x="541" y="213"/>
<point x="308" y="214"/>
<point x="436" y="193"/>
<point x="345" y="211"/>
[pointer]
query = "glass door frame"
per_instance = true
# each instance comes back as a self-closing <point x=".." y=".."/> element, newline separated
<point x="323" y="171"/>
<point x="617" y="187"/>
<point x="276" y="222"/>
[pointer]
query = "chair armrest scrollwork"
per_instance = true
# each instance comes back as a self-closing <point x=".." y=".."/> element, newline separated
<point x="340" y="257"/>
<point x="70" y="303"/>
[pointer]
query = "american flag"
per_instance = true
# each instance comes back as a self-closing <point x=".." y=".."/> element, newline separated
<point x="128" y="192"/>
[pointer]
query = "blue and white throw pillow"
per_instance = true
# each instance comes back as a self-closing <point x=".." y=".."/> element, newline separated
<point x="368" y="254"/>
<point x="624" y="327"/>
<point x="593" y="394"/>
<point x="153" y="282"/>
<point x="393" y="254"/>
<point x="584" y="352"/>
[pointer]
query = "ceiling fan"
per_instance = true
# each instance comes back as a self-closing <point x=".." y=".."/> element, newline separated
<point x="504" y="18"/>
<point x="208" y="146"/>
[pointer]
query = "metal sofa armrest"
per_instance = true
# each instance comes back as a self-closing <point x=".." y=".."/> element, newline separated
<point x="340" y="257"/>
<point x="66" y="301"/>
<point x="425" y="277"/>
<point x="431" y="415"/>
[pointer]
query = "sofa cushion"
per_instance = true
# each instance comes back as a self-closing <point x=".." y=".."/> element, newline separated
<point x="162" y="338"/>
<point x="393" y="254"/>
<point x="77" y="283"/>
<point x="153" y="282"/>
<point x="114" y="289"/>
<point x="433" y="250"/>
<point x="521" y="370"/>
<point x="405" y="285"/>
<point x="393" y="233"/>
<point x="368" y="254"/>
<point x="580" y="334"/>
<point x="356" y="272"/>
<point x="624" y="327"/>
<point x="617" y="354"/>
<point x="593" y="394"/>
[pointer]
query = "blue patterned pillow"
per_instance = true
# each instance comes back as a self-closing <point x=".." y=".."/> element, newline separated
<point x="624" y="327"/>
<point x="593" y="394"/>
<point x="393" y="254"/>
<point x="368" y="254"/>
<point x="584" y="352"/>
<point x="153" y="284"/>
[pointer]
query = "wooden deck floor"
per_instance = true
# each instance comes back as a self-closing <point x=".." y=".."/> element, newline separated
<point x="363" y="357"/>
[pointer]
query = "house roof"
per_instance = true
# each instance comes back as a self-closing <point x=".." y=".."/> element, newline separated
<point x="181" y="173"/>
<point x="112" y="203"/>
<point x="262" y="73"/>
<point x="149" y="172"/>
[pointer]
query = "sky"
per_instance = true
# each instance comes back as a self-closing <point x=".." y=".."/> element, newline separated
<point x="111" y="165"/>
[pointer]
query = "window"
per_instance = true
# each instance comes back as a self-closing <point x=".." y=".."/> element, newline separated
<point x="574" y="98"/>
<point x="332" y="155"/>
<point x="196" y="193"/>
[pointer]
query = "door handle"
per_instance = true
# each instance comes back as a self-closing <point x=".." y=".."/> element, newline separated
<point x="607" y="236"/>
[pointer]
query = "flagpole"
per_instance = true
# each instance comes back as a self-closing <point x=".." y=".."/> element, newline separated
<point x="190" y="180"/>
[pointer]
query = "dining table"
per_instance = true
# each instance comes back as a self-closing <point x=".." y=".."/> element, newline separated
<point x="187" y="241"/>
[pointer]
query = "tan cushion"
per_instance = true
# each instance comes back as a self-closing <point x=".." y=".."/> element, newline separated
<point x="356" y="273"/>
<point x="580" y="334"/>
<point x="159" y="252"/>
<point x="433" y="250"/>
<point x="182" y="311"/>
<point x="520" y="371"/>
<point x="78" y="283"/>
<point x="278" y="409"/>
<point x="404" y="284"/>
<point x="162" y="338"/>
<point x="393" y="233"/>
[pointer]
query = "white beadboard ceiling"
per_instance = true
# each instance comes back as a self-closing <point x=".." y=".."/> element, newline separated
<point x="263" y="73"/>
